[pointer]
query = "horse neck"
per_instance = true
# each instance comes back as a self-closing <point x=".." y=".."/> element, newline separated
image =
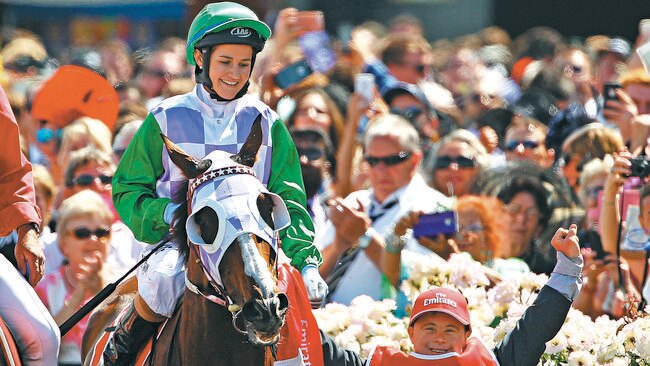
<point x="203" y="323"/>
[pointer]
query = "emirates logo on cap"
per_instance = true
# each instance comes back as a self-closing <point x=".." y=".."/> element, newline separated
<point x="240" y="32"/>
<point x="440" y="299"/>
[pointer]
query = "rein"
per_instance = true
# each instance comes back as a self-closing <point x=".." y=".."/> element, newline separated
<point x="221" y="298"/>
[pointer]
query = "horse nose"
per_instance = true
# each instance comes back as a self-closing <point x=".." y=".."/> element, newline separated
<point x="267" y="313"/>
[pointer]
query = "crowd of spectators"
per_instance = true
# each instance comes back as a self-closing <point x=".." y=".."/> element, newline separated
<point x="513" y="135"/>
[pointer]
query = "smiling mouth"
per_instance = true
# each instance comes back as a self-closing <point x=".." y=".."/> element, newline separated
<point x="230" y="83"/>
<point x="439" y="351"/>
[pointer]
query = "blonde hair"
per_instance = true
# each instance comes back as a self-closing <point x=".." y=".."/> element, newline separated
<point x="86" y="203"/>
<point x="593" y="141"/>
<point x="635" y="76"/>
<point x="98" y="134"/>
<point x="24" y="46"/>
<point x="43" y="181"/>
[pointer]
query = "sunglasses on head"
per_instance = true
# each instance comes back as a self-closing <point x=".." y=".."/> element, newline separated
<point x="445" y="161"/>
<point x="85" y="180"/>
<point x="528" y="145"/>
<point x="388" y="160"/>
<point x="85" y="233"/>
<point x="311" y="153"/>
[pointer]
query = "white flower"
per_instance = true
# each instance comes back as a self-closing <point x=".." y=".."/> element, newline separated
<point x="642" y="337"/>
<point x="581" y="358"/>
<point x="608" y="352"/>
<point x="348" y="341"/>
<point x="503" y="329"/>
<point x="557" y="344"/>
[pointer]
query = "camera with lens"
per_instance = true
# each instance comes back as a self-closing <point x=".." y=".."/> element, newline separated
<point x="640" y="167"/>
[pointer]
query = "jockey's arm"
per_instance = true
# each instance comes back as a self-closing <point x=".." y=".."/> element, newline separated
<point x="286" y="180"/>
<point x="134" y="184"/>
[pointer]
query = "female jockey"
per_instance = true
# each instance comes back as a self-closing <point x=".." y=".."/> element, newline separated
<point x="32" y="325"/>
<point x="222" y="43"/>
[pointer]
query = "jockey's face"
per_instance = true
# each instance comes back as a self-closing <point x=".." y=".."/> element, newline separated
<point x="438" y="333"/>
<point x="230" y="68"/>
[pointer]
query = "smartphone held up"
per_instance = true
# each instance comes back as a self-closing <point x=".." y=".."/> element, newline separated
<point x="364" y="85"/>
<point x="314" y="40"/>
<point x="432" y="225"/>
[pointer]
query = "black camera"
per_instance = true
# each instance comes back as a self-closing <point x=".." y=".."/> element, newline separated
<point x="640" y="167"/>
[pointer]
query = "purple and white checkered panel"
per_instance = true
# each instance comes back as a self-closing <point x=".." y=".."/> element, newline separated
<point x="200" y="127"/>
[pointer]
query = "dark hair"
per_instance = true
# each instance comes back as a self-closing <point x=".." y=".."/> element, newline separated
<point x="553" y="80"/>
<point x="538" y="43"/>
<point x="315" y="136"/>
<point x="643" y="193"/>
<point x="338" y="121"/>
<point x="532" y="186"/>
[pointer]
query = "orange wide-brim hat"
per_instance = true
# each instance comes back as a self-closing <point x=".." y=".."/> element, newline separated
<point x="72" y="92"/>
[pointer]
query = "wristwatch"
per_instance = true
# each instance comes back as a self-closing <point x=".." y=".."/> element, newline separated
<point x="365" y="239"/>
<point x="34" y="226"/>
<point x="394" y="243"/>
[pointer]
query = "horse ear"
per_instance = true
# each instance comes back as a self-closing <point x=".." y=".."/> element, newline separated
<point x="189" y="165"/>
<point x="248" y="152"/>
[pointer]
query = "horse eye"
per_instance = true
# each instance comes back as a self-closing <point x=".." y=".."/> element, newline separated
<point x="265" y="206"/>
<point x="208" y="224"/>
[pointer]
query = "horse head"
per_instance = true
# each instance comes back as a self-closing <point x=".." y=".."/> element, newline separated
<point x="231" y="223"/>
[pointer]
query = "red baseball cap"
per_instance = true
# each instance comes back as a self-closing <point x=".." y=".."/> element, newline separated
<point x="442" y="300"/>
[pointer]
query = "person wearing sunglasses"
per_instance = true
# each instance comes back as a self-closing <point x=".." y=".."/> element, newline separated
<point x="588" y="142"/>
<point x="410" y="102"/>
<point x="93" y="169"/>
<point x="84" y="235"/>
<point x="352" y="239"/>
<point x="159" y="69"/>
<point x="524" y="140"/>
<point x="317" y="165"/>
<point x="456" y="163"/>
<point x="404" y="55"/>
<point x="90" y="168"/>
<point x="577" y="66"/>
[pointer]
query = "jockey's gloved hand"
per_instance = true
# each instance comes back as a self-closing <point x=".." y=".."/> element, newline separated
<point x="316" y="286"/>
<point x="168" y="216"/>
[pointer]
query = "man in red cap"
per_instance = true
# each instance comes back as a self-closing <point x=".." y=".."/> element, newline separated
<point x="440" y="327"/>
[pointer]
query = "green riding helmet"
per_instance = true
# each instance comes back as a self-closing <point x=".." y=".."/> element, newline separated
<point x="214" y="18"/>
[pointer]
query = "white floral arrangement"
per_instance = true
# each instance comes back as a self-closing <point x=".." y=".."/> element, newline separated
<point x="495" y="310"/>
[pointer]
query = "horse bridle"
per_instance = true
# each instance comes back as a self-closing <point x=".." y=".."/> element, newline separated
<point x="221" y="295"/>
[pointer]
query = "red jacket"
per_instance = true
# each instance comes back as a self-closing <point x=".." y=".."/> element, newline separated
<point x="17" y="198"/>
<point x="475" y="354"/>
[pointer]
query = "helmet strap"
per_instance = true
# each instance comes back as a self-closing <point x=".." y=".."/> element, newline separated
<point x="202" y="75"/>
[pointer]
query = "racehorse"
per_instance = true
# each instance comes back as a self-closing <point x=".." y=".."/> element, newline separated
<point x="232" y="311"/>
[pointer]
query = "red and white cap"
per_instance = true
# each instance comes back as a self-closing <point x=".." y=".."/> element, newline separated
<point x="441" y="300"/>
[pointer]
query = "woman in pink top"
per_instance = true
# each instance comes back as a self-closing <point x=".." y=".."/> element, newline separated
<point x="84" y="232"/>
